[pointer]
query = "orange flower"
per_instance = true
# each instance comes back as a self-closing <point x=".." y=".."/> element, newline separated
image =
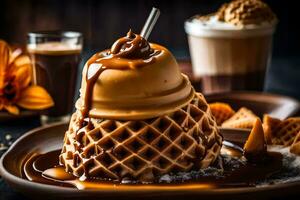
<point x="15" y="79"/>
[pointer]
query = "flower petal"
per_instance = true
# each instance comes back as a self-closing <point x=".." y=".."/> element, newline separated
<point x="12" y="109"/>
<point x="35" y="98"/>
<point x="1" y="103"/>
<point x="23" y="75"/>
<point x="21" y="60"/>
<point x="4" y="59"/>
<point x="15" y="53"/>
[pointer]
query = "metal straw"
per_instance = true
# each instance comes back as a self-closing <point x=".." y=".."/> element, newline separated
<point x="151" y="20"/>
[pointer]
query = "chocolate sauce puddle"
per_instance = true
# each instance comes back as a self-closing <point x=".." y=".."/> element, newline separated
<point x="236" y="172"/>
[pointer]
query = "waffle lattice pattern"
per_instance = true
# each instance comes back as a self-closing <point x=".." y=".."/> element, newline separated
<point x="221" y="112"/>
<point x="243" y="118"/>
<point x="285" y="132"/>
<point x="187" y="139"/>
<point x="295" y="147"/>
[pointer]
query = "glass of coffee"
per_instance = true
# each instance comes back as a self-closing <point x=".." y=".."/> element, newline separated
<point x="231" y="49"/>
<point x="56" y="56"/>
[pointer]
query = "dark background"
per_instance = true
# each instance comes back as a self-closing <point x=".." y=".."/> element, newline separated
<point x="103" y="21"/>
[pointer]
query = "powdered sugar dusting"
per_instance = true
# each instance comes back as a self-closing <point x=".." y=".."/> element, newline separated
<point x="291" y="167"/>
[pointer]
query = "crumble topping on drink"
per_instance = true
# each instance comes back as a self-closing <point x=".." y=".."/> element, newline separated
<point x="239" y="14"/>
<point x="243" y="12"/>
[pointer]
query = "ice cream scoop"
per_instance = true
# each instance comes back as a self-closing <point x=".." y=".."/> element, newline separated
<point x="133" y="80"/>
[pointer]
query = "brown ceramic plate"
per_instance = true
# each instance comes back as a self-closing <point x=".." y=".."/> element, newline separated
<point x="50" y="138"/>
<point x="260" y="103"/>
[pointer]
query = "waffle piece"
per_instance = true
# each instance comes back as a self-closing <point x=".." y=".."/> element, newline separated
<point x="269" y="125"/>
<point x="221" y="111"/>
<point x="187" y="139"/>
<point x="295" y="147"/>
<point x="284" y="133"/>
<point x="243" y="118"/>
<point x="255" y="145"/>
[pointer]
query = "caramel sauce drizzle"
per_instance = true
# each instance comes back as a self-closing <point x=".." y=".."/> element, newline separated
<point x="127" y="52"/>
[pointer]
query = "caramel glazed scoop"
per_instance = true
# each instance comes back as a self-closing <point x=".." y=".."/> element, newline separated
<point x="133" y="94"/>
<point x="132" y="46"/>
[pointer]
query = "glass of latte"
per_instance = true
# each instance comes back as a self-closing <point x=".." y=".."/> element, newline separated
<point x="231" y="49"/>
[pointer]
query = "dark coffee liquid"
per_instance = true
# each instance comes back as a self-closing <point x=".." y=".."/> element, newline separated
<point x="56" y="71"/>
<point x="253" y="81"/>
<point x="223" y="83"/>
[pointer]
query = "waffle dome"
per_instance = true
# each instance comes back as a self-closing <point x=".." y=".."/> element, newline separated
<point x="138" y="117"/>
<point x="144" y="150"/>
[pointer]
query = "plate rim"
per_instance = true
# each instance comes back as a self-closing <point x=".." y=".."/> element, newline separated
<point x="253" y="93"/>
<point x="295" y="101"/>
<point x="11" y="178"/>
<point x="237" y="95"/>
